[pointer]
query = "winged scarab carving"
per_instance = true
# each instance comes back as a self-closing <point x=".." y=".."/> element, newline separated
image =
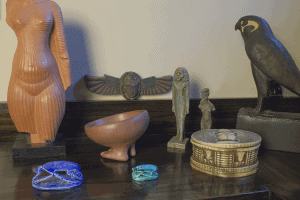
<point x="130" y="85"/>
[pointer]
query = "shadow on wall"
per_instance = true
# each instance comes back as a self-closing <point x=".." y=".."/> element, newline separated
<point x="80" y="91"/>
<point x="76" y="41"/>
<point x="196" y="86"/>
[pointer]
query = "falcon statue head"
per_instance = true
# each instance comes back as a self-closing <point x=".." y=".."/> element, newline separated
<point x="252" y="25"/>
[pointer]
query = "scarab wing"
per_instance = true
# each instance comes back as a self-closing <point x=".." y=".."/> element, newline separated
<point x="107" y="85"/>
<point x="153" y="85"/>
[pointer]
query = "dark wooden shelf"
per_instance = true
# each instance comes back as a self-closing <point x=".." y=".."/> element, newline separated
<point x="278" y="176"/>
<point x="162" y="119"/>
<point x="112" y="179"/>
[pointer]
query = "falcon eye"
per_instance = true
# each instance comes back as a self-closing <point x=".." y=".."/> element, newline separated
<point x="244" y="22"/>
<point x="251" y="26"/>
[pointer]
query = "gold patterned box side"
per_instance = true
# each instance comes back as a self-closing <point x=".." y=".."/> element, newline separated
<point x="224" y="172"/>
<point x="225" y="162"/>
<point x="225" y="157"/>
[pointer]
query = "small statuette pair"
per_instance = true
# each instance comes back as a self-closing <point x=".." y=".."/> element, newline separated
<point x="180" y="106"/>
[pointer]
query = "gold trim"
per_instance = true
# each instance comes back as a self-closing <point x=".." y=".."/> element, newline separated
<point x="225" y="148"/>
<point x="224" y="172"/>
<point x="238" y="143"/>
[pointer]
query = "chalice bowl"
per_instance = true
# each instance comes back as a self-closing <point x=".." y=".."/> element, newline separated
<point x="119" y="132"/>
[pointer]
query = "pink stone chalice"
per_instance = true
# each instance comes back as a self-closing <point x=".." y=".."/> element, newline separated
<point x="119" y="132"/>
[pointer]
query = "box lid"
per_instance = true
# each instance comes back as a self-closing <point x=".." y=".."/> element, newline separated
<point x="226" y="138"/>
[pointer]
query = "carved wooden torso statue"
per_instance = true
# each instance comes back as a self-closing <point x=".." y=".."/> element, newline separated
<point x="41" y="69"/>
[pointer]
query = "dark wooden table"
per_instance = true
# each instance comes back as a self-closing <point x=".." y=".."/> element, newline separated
<point x="278" y="176"/>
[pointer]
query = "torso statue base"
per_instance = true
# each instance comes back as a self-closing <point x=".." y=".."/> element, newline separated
<point x="279" y="130"/>
<point x="175" y="143"/>
<point x="23" y="149"/>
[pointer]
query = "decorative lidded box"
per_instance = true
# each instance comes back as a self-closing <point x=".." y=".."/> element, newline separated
<point x="225" y="153"/>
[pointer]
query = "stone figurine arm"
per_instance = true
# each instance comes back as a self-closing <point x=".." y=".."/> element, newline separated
<point x="58" y="47"/>
<point x="200" y="106"/>
<point x="173" y="98"/>
<point x="187" y="98"/>
<point x="212" y="106"/>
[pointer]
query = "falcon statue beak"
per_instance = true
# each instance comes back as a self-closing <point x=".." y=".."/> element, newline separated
<point x="238" y="25"/>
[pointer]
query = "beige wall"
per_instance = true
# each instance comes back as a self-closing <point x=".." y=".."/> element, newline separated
<point x="154" y="37"/>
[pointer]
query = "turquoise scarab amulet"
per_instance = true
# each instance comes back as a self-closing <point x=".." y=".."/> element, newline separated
<point x="144" y="172"/>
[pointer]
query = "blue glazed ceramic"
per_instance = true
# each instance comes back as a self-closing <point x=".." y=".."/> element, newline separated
<point x="62" y="175"/>
<point x="144" y="172"/>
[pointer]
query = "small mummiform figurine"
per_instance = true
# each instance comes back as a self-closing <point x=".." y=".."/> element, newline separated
<point x="40" y="70"/>
<point x="180" y="106"/>
<point x="206" y="108"/>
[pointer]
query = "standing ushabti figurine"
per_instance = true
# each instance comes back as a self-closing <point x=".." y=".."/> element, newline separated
<point x="180" y="106"/>
<point x="41" y="68"/>
<point x="206" y="108"/>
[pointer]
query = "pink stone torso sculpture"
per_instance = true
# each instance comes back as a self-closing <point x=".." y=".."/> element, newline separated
<point x="41" y="68"/>
<point x="119" y="132"/>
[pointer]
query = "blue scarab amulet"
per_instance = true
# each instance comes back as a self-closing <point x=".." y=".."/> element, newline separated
<point x="62" y="175"/>
<point x="144" y="172"/>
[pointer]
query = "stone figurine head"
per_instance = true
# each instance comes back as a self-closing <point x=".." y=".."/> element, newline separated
<point x="205" y="93"/>
<point x="181" y="74"/>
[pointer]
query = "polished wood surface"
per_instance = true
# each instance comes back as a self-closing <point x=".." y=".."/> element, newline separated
<point x="277" y="177"/>
<point x="278" y="172"/>
<point x="107" y="179"/>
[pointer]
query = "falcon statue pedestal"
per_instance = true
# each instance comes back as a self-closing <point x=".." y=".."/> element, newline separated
<point x="278" y="130"/>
